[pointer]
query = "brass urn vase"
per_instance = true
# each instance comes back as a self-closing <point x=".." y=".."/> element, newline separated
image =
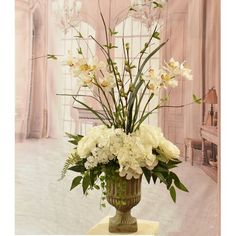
<point x="123" y="194"/>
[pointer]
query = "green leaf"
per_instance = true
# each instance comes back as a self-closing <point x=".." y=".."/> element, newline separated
<point x="168" y="182"/>
<point x="174" y="177"/>
<point x="156" y="35"/>
<point x="132" y="9"/>
<point x="197" y="99"/>
<point x="181" y="187"/>
<point x="164" y="99"/>
<point x="112" y="32"/>
<point x="79" y="50"/>
<point x="51" y="56"/>
<point x="154" y="177"/>
<point x="102" y="178"/>
<point x="145" y="48"/>
<point x="86" y="183"/>
<point x="78" y="168"/>
<point x="96" y="187"/>
<point x="157" y="5"/>
<point x="172" y="166"/>
<point x="110" y="46"/>
<point x="147" y="174"/>
<point x="177" y="182"/>
<point x="160" y="169"/>
<point x="76" y="181"/>
<point x="173" y="193"/>
<point x="173" y="162"/>
<point x="160" y="176"/>
<point x="93" y="177"/>
<point x="74" y="136"/>
<point x="73" y="142"/>
<point x="79" y="35"/>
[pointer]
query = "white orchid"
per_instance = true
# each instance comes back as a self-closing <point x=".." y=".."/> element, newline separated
<point x="186" y="72"/>
<point x="172" y="67"/>
<point x="95" y="64"/>
<point x="108" y="81"/>
<point x="153" y="81"/>
<point x="70" y="61"/>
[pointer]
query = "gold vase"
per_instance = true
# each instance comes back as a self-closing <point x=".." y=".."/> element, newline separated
<point x="123" y="194"/>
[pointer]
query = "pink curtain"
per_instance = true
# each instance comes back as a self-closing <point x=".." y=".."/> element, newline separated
<point x="37" y="122"/>
<point x="37" y="111"/>
<point x="23" y="41"/>
<point x="192" y="28"/>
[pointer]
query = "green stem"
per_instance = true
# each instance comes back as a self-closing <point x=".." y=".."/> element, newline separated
<point x="145" y="47"/>
<point x="145" y="107"/>
<point x="93" y="111"/>
<point x="107" y="101"/>
<point x="138" y="105"/>
<point x="139" y="122"/>
<point x="134" y="93"/>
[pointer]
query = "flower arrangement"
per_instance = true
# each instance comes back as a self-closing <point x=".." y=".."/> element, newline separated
<point x="123" y="144"/>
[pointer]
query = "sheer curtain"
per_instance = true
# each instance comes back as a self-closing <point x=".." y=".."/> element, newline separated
<point x="23" y="41"/>
<point x="37" y="109"/>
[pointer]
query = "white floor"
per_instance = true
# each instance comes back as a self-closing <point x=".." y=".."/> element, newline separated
<point x="46" y="206"/>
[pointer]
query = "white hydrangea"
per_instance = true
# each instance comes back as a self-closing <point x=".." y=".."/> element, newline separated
<point x="133" y="151"/>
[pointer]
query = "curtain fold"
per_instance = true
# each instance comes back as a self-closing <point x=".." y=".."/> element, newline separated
<point x="192" y="27"/>
<point x="37" y="119"/>
<point x="23" y="55"/>
<point x="38" y="113"/>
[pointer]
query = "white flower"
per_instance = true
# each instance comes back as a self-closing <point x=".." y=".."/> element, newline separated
<point x="132" y="151"/>
<point x="96" y="65"/>
<point x="70" y="59"/>
<point x="84" y="79"/>
<point x="89" y="142"/>
<point x="108" y="81"/>
<point x="85" y="145"/>
<point x="172" y="83"/>
<point x="169" y="149"/>
<point x="150" y="135"/>
<point x="172" y="67"/>
<point x="186" y="72"/>
<point x="90" y="163"/>
<point x="84" y="70"/>
<point x="153" y="81"/>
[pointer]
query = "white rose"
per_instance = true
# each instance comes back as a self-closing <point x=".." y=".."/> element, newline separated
<point x="85" y="145"/>
<point x="169" y="149"/>
<point x="150" y="135"/>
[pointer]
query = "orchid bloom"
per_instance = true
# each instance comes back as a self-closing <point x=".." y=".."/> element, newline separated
<point x="108" y="81"/>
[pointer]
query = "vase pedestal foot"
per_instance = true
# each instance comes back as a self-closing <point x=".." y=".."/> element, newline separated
<point x="123" y="222"/>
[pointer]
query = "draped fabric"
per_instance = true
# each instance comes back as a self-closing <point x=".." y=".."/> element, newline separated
<point x="54" y="84"/>
<point x="192" y="27"/>
<point x="23" y="42"/>
<point x="37" y="118"/>
<point x="37" y="110"/>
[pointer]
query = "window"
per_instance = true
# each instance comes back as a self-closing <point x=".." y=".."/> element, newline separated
<point x="136" y="34"/>
<point x="71" y="43"/>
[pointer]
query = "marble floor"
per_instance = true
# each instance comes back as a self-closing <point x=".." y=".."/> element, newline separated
<point x="44" y="205"/>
